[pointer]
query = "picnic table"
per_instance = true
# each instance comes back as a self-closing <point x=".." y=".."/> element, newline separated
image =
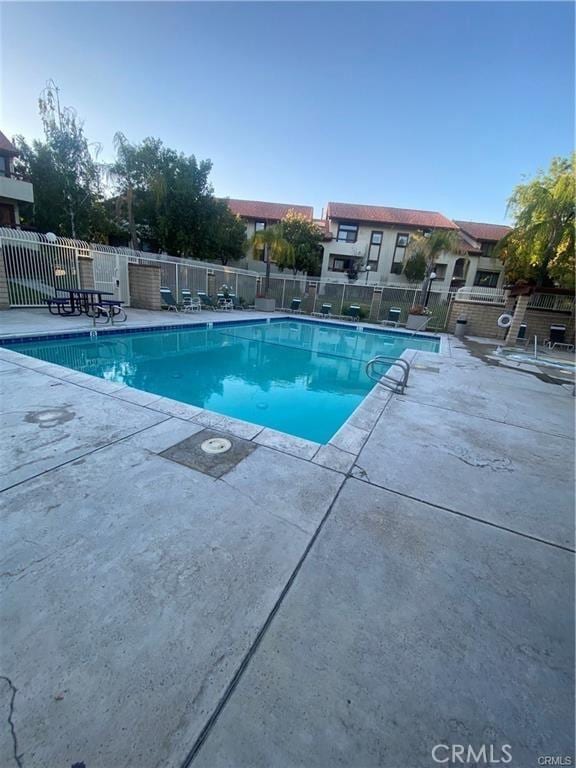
<point x="78" y="301"/>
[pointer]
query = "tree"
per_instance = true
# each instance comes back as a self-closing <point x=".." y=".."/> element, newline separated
<point x="64" y="171"/>
<point x="540" y="246"/>
<point x="305" y="238"/>
<point x="427" y="249"/>
<point x="415" y="267"/>
<point x="276" y="249"/>
<point x="229" y="233"/>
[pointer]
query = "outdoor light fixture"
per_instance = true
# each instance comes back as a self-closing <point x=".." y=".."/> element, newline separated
<point x="431" y="278"/>
<point x="367" y="269"/>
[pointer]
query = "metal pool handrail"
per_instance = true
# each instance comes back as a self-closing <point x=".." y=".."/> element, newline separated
<point x="395" y="385"/>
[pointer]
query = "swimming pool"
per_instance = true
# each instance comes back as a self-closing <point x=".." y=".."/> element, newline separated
<point x="301" y="377"/>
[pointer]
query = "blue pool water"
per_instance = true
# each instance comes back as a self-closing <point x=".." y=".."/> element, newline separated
<point x="299" y="377"/>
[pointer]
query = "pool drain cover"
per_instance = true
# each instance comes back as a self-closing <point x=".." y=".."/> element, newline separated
<point x="216" y="445"/>
<point x="211" y="452"/>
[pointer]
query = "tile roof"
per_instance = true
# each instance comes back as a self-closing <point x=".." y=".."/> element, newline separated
<point x="384" y="215"/>
<point x="480" y="231"/>
<point x="6" y="145"/>
<point x="256" y="209"/>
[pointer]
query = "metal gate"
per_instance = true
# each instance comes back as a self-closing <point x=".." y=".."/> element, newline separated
<point x="111" y="274"/>
<point x="37" y="268"/>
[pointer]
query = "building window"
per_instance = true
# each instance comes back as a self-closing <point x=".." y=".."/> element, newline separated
<point x="347" y="233"/>
<point x="259" y="226"/>
<point x="487" y="249"/>
<point x="440" y="270"/>
<point x="340" y="263"/>
<point x="486" y="279"/>
<point x="4" y="166"/>
<point x="402" y="239"/>
<point x="7" y="215"/>
<point x="374" y="249"/>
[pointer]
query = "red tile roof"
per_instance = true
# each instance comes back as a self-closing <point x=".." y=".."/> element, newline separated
<point x="256" y="209"/>
<point x="6" y="146"/>
<point x="383" y="215"/>
<point x="480" y="231"/>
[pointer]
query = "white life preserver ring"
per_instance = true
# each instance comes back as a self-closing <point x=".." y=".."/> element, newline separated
<point x="505" y="320"/>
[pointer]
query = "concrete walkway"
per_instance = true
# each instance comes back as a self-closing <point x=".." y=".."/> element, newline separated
<point x="287" y="614"/>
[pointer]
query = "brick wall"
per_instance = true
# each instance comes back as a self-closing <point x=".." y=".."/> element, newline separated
<point x="483" y="321"/>
<point x="144" y="280"/>
<point x="538" y="323"/>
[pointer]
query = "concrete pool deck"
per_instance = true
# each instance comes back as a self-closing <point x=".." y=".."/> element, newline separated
<point x="350" y="605"/>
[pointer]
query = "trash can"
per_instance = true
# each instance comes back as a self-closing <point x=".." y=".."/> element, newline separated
<point x="461" y="324"/>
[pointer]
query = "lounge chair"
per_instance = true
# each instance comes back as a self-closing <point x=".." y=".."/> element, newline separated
<point x="225" y="303"/>
<point x="205" y="301"/>
<point x="295" y="305"/>
<point x="189" y="303"/>
<point x="353" y="312"/>
<point x="393" y="318"/>
<point x="235" y="301"/>
<point x="326" y="310"/>
<point x="558" y="338"/>
<point x="168" y="301"/>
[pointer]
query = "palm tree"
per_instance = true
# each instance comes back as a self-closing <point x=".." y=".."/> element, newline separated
<point x="276" y="248"/>
<point x="430" y="247"/>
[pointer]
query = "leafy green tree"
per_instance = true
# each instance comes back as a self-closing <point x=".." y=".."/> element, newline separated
<point x="415" y="267"/>
<point x="229" y="233"/>
<point x="540" y="247"/>
<point x="276" y="248"/>
<point x="306" y="241"/>
<point x="65" y="173"/>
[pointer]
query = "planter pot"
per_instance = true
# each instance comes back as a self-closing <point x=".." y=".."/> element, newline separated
<point x="265" y="305"/>
<point x="417" y="322"/>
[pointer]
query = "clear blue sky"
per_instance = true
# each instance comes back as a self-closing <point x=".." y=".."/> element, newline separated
<point x="442" y="106"/>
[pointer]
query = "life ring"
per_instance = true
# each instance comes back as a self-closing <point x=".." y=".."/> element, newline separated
<point x="505" y="320"/>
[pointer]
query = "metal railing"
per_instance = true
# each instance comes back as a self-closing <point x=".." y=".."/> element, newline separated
<point x="478" y="294"/>
<point x="395" y="385"/>
<point x="38" y="265"/>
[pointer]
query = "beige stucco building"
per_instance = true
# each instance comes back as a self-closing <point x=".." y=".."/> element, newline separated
<point x="369" y="244"/>
<point x="13" y="191"/>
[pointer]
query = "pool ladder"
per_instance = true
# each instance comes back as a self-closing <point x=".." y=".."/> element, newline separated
<point x="395" y="385"/>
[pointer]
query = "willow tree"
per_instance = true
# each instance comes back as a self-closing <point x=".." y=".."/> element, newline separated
<point x="276" y="248"/>
<point x="540" y="246"/>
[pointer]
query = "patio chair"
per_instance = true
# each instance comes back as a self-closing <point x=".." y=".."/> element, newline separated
<point x="393" y="317"/>
<point x="190" y="303"/>
<point x="168" y="301"/>
<point x="225" y="303"/>
<point x="326" y="310"/>
<point x="295" y="305"/>
<point x="205" y="301"/>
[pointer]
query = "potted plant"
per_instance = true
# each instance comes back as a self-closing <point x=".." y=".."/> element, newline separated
<point x="263" y="304"/>
<point x="418" y="317"/>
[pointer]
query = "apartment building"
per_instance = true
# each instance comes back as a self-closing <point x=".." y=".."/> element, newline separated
<point x="369" y="244"/>
<point x="13" y="191"/>
<point x="259" y="215"/>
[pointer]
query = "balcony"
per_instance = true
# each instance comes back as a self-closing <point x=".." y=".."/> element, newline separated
<point x="15" y="189"/>
<point x="349" y="250"/>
